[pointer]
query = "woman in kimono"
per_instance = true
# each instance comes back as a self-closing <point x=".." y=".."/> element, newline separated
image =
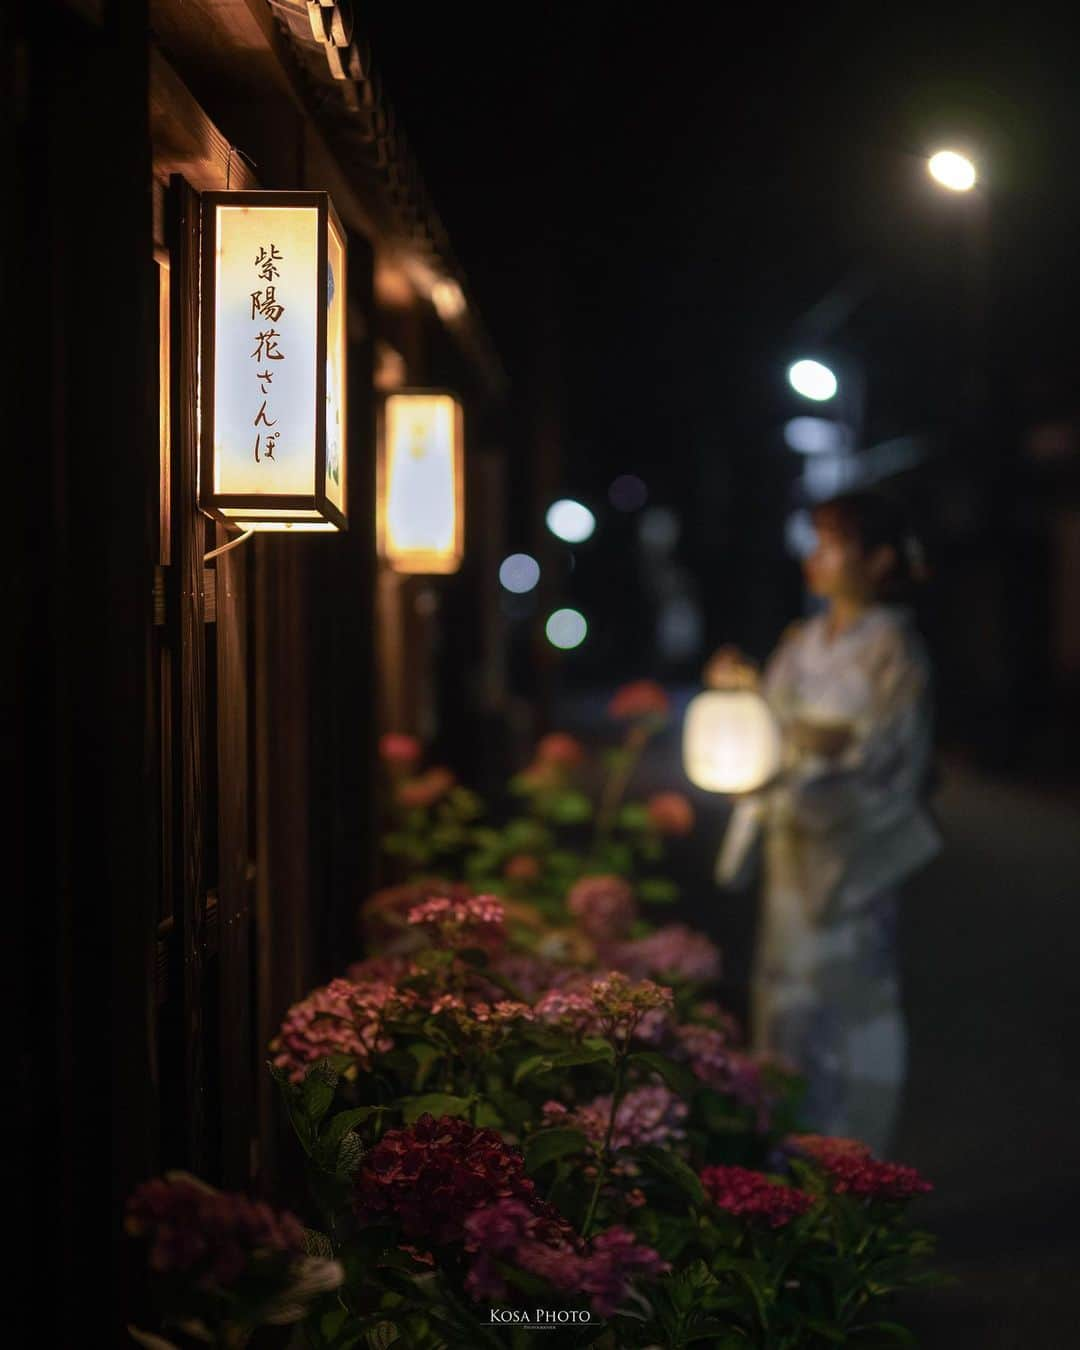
<point x="844" y="824"/>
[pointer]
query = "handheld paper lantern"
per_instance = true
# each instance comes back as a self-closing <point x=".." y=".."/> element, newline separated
<point x="731" y="741"/>
<point x="421" y="490"/>
<point x="273" y="361"/>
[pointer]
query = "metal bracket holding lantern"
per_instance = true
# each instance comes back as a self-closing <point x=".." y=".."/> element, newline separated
<point x="731" y="741"/>
<point x="274" y="289"/>
<point x="421" y="482"/>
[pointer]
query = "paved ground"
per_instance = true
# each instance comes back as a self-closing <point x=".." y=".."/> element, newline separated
<point x="991" y="947"/>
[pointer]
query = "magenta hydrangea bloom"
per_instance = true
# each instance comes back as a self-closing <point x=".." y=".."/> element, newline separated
<point x="646" y="1115"/>
<point x="672" y="952"/>
<point x="191" y="1228"/>
<point x="508" y="1231"/>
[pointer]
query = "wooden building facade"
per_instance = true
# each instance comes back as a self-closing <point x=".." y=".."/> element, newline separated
<point x="193" y="740"/>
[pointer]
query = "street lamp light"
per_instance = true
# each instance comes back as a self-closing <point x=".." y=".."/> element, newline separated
<point x="952" y="170"/>
<point x="813" y="380"/>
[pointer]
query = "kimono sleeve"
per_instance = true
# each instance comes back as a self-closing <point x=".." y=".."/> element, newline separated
<point x="878" y="779"/>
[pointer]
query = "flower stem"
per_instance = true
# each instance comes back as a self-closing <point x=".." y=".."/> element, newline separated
<point x="602" y="1166"/>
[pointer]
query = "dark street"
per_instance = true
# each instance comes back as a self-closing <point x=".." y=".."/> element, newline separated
<point x="989" y="936"/>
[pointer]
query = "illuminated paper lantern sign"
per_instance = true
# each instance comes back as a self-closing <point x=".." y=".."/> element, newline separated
<point x="731" y="741"/>
<point x="421" y="491"/>
<point x="273" y="361"/>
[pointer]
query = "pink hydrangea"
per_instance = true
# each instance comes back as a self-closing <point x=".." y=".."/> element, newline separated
<point x="646" y="1115"/>
<point x="477" y="921"/>
<point x="724" y="1069"/>
<point x="604" y="905"/>
<point x="752" y="1195"/>
<point x="674" y="952"/>
<point x="340" y="1018"/>
<point x="611" y="1006"/>
<point x="670" y="813"/>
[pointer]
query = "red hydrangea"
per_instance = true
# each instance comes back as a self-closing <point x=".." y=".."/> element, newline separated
<point x="754" y="1196"/>
<point x="641" y="698"/>
<point x="396" y="748"/>
<point x="873" y="1180"/>
<point x="433" y="1174"/>
<point x="560" y="749"/>
<point x="604" y="905"/>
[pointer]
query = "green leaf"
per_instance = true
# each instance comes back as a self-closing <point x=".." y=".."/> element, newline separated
<point x="549" y="1145"/>
<point x="677" y="1076"/>
<point x="341" y="1124"/>
<point x="634" y="816"/>
<point x="657" y="891"/>
<point x="317" y="1093"/>
<point x="671" y="1167"/>
<point x="437" y="1103"/>
<point x="531" y="1064"/>
<point x="569" y="808"/>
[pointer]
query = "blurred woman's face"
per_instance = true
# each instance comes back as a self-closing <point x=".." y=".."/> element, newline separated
<point x="837" y="565"/>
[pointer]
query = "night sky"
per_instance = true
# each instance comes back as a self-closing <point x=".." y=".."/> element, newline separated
<point x="669" y="190"/>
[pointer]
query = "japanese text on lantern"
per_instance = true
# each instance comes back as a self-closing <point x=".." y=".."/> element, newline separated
<point x="265" y="305"/>
<point x="265" y="350"/>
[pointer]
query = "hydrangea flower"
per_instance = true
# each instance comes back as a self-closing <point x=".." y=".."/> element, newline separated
<point x="752" y="1195"/>
<point x="340" y="1018"/>
<point x="560" y="749"/>
<point x="611" y="1006"/>
<point x="640" y="698"/>
<point x="670" y="813"/>
<point x="604" y="906"/>
<point x="477" y="921"/>
<point x="433" y="1174"/>
<point x="674" y="951"/>
<point x="509" y="1232"/>
<point x="646" y="1115"/>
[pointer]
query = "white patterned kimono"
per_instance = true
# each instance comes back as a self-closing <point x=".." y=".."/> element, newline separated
<point x="840" y="834"/>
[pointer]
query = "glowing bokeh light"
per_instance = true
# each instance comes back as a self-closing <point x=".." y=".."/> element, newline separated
<point x="953" y="171"/>
<point x="570" y="521"/>
<point x="812" y="380"/>
<point x="519" y="573"/>
<point x="817" y="436"/>
<point x="628" y="493"/>
<point x="566" y="629"/>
